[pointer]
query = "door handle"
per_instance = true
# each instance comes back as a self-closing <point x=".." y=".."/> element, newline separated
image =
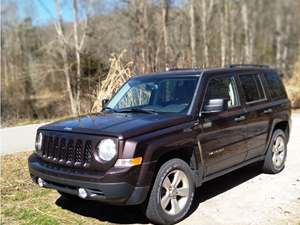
<point x="266" y="111"/>
<point x="240" y="118"/>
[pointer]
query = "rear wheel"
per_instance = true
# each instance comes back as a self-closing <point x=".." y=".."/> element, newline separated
<point x="276" y="155"/>
<point x="172" y="193"/>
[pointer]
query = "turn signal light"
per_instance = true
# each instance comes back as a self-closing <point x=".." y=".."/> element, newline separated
<point x="129" y="162"/>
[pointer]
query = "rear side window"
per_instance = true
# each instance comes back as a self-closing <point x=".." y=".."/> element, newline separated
<point x="252" y="86"/>
<point x="275" y="85"/>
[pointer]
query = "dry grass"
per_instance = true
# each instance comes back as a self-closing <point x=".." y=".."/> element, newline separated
<point x="119" y="72"/>
<point x="293" y="86"/>
<point x="23" y="202"/>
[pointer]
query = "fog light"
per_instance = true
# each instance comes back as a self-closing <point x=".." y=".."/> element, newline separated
<point x="82" y="193"/>
<point x="41" y="182"/>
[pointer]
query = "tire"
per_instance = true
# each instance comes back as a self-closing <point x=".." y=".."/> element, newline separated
<point x="276" y="154"/>
<point x="162" y="207"/>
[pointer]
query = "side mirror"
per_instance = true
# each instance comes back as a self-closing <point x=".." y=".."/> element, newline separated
<point x="104" y="102"/>
<point x="215" y="106"/>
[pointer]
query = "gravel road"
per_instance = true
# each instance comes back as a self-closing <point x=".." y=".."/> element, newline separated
<point x="246" y="197"/>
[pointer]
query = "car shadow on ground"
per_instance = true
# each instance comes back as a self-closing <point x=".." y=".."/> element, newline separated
<point x="132" y="214"/>
<point x="224" y="183"/>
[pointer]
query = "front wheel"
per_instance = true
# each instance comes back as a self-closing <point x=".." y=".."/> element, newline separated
<point x="172" y="193"/>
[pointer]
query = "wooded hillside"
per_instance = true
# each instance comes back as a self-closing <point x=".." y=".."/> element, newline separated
<point x="56" y="69"/>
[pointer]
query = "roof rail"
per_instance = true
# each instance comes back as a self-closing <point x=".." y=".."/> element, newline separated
<point x="175" y="69"/>
<point x="247" y="65"/>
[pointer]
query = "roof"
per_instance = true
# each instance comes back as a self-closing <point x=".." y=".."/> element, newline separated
<point x="199" y="71"/>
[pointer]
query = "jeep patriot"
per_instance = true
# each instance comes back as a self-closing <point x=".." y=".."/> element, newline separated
<point x="164" y="134"/>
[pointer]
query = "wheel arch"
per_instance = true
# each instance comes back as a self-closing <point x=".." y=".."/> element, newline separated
<point x="284" y="125"/>
<point x="189" y="155"/>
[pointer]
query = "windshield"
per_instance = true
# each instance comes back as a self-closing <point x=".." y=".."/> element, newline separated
<point x="159" y="95"/>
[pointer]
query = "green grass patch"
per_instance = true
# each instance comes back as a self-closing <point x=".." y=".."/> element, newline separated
<point x="23" y="202"/>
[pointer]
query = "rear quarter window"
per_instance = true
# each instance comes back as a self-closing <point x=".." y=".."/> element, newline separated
<point x="275" y="85"/>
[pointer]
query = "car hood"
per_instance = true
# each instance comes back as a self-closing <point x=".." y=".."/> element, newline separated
<point x="121" y="125"/>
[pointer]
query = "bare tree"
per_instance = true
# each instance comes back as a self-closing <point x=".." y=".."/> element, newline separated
<point x="193" y="33"/>
<point x="154" y="33"/>
<point x="138" y="24"/>
<point x="231" y="31"/>
<point x="282" y="32"/>
<point x="143" y="26"/>
<point x="249" y="18"/>
<point x="224" y="26"/>
<point x="286" y="44"/>
<point x="165" y="16"/>
<point x="78" y="44"/>
<point x="206" y="14"/>
<point x="246" y="30"/>
<point x="63" y="49"/>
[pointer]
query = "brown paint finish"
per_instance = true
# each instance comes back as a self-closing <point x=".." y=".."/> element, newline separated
<point x="210" y="142"/>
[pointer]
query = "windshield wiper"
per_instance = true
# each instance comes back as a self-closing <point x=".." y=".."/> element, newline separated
<point x="109" y="108"/>
<point x="137" y="110"/>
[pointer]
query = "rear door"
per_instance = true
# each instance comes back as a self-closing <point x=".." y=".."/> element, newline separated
<point x="259" y="112"/>
<point x="223" y="134"/>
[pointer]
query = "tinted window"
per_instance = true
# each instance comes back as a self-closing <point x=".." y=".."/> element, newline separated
<point x="252" y="87"/>
<point x="275" y="85"/>
<point x="223" y="87"/>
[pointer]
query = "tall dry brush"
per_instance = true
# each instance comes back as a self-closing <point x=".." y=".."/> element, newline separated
<point x="293" y="85"/>
<point x="119" y="72"/>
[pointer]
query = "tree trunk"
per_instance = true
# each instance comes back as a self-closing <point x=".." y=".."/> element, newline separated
<point x="224" y="31"/>
<point x="205" y="18"/>
<point x="165" y="16"/>
<point x="64" y="54"/>
<point x="249" y="28"/>
<point x="193" y="33"/>
<point x="285" y="52"/>
<point x="279" y="39"/>
<point x="143" y="30"/>
<point x="77" y="53"/>
<point x="204" y="32"/>
<point x="245" y="19"/>
<point x="68" y="80"/>
<point x="232" y="32"/>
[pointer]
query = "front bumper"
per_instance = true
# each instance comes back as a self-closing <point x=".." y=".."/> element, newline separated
<point x="118" y="193"/>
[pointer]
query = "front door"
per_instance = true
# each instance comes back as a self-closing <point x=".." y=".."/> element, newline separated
<point x="222" y="139"/>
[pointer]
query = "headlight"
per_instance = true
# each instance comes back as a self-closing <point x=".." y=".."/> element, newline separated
<point x="39" y="142"/>
<point x="107" y="149"/>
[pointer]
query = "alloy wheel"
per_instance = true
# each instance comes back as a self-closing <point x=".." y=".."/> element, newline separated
<point x="174" y="192"/>
<point x="278" y="152"/>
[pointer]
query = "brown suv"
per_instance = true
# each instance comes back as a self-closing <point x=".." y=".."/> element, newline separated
<point x="164" y="134"/>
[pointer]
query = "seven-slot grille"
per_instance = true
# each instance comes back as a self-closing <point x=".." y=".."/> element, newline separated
<point x="67" y="150"/>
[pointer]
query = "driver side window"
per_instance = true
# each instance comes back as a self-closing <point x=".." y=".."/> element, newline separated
<point x="225" y="88"/>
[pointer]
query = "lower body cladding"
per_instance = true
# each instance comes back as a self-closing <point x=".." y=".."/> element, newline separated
<point x="121" y="193"/>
